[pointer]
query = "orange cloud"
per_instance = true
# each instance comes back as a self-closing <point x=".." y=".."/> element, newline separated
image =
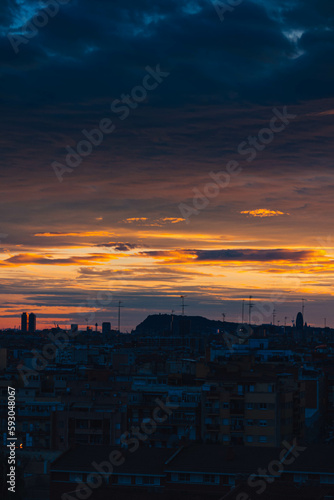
<point x="172" y="220"/>
<point x="144" y="221"/>
<point x="80" y="235"/>
<point x="237" y="256"/>
<point x="263" y="212"/>
<point x="135" y="219"/>
<point x="36" y="259"/>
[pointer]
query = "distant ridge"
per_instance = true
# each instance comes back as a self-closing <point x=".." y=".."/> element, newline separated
<point x="157" y="324"/>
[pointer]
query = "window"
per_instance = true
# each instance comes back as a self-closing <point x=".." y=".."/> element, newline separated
<point x="226" y="438"/>
<point x="225" y="421"/>
<point x="327" y="479"/>
<point x="148" y="480"/>
<point x="262" y="423"/>
<point x="250" y="388"/>
<point x="240" y="389"/>
<point x="184" y="478"/>
<point x="124" y="480"/>
<point x="300" y="478"/>
<point x="263" y="439"/>
<point x="249" y="439"/>
<point x="210" y="478"/>
<point x="96" y="439"/>
<point x="81" y="424"/>
<point x="250" y="422"/>
<point x="75" y="477"/>
<point x="225" y="405"/>
<point x="94" y="480"/>
<point x="250" y="406"/>
<point x="263" y="406"/>
<point x="196" y="478"/>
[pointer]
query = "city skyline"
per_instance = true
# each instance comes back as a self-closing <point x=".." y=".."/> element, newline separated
<point x="248" y="310"/>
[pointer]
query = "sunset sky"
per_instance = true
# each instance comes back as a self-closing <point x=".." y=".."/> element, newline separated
<point x="115" y="226"/>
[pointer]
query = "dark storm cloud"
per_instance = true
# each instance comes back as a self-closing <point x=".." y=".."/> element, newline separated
<point x="238" y="255"/>
<point x="98" y="50"/>
<point x="120" y="247"/>
<point x="253" y="255"/>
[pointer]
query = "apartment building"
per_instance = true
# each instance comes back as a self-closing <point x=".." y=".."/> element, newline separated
<point x="252" y="412"/>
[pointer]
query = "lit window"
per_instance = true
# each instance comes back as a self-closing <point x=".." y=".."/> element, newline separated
<point x="75" y="477"/>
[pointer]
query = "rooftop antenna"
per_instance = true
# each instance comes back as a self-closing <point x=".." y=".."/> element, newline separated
<point x="243" y="311"/>
<point x="171" y="323"/>
<point x="95" y="327"/>
<point x="223" y="314"/>
<point x="182" y="303"/>
<point x="303" y="307"/>
<point x="119" y="315"/>
<point x="250" y="305"/>
<point x="274" y="316"/>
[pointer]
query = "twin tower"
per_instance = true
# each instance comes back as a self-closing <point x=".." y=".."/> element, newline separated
<point x="25" y="326"/>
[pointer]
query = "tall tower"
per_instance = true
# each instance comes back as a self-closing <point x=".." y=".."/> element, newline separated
<point x="299" y="326"/>
<point x="32" y="323"/>
<point x="24" y="322"/>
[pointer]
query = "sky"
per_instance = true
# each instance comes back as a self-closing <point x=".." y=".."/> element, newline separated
<point x="208" y="174"/>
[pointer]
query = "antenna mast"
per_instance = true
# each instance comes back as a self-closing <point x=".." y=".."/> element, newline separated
<point x="119" y="315"/>
<point x="182" y="303"/>
<point x="250" y="305"/>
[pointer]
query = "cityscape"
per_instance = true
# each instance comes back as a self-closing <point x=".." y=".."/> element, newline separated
<point x="166" y="250"/>
<point x="201" y="404"/>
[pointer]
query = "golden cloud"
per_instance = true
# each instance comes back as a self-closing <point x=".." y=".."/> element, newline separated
<point x="80" y="235"/>
<point x="263" y="212"/>
<point x="37" y="259"/>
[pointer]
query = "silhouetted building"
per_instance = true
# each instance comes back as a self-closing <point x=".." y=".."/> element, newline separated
<point x="24" y="322"/>
<point x="106" y="327"/>
<point x="299" y="321"/>
<point x="299" y="326"/>
<point x="32" y="323"/>
<point x="74" y="328"/>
